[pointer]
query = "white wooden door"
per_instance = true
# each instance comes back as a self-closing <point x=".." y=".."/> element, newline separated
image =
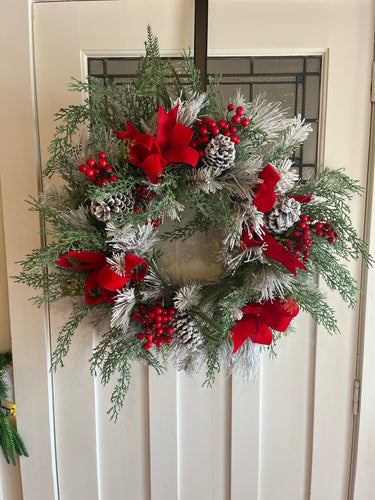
<point x="287" y="436"/>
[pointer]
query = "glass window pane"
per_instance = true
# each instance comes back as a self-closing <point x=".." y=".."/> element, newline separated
<point x="312" y="97"/>
<point x="228" y="65"/>
<point x="310" y="147"/>
<point x="313" y="64"/>
<point x="278" y="65"/>
<point x="284" y="93"/>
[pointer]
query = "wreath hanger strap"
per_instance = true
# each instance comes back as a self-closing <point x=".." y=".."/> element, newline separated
<point x="200" y="39"/>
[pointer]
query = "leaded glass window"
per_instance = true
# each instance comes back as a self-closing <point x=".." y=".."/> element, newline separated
<point x="294" y="81"/>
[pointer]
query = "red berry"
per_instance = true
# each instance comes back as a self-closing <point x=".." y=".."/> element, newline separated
<point x="159" y="331"/>
<point x="102" y="155"/>
<point x="108" y="170"/>
<point x="302" y="225"/>
<point x="82" y="168"/>
<point x="93" y="179"/>
<point x="215" y="130"/>
<point x="136" y="210"/>
<point x="319" y="232"/>
<point x="239" y="110"/>
<point x="230" y="107"/>
<point x="305" y="259"/>
<point x="331" y="239"/>
<point x="140" y="336"/>
<point x="193" y="144"/>
<point x="146" y="347"/>
<point x="201" y="153"/>
<point x="90" y="162"/>
<point x="232" y="129"/>
<point x="102" y="163"/>
<point x="304" y="218"/>
<point x="203" y="131"/>
<point x="207" y="121"/>
<point x="106" y="181"/>
<point x="318" y="225"/>
<point x="199" y="140"/>
<point x="90" y="172"/>
<point x="205" y="139"/>
<point x="198" y="123"/>
<point x="159" y="343"/>
<point x="158" y="310"/>
<point x="245" y="122"/>
<point x="233" y="138"/>
<point x="149" y="336"/>
<point x="169" y="331"/>
<point x="113" y="178"/>
<point x="212" y="124"/>
<point x="96" y="171"/>
<point x="171" y="311"/>
<point x="169" y="340"/>
<point x="148" y="344"/>
<point x="296" y="234"/>
<point x="226" y="133"/>
<point x="236" y="119"/>
<point x="223" y="124"/>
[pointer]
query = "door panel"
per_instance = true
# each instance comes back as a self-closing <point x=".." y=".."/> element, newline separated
<point x="289" y="432"/>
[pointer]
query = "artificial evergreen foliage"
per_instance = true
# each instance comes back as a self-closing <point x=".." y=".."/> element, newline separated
<point x="10" y="440"/>
<point x="134" y="156"/>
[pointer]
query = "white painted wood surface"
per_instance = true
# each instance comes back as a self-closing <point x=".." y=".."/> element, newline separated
<point x="282" y="437"/>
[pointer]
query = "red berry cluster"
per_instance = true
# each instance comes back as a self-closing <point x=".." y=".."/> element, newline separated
<point x="100" y="172"/>
<point x="302" y="236"/>
<point x="209" y="127"/>
<point x="142" y="195"/>
<point x="155" y="320"/>
<point x="324" y="230"/>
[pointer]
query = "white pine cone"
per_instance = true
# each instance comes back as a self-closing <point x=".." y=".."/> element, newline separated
<point x="219" y="153"/>
<point x="185" y="331"/>
<point x="284" y="214"/>
<point x="120" y="202"/>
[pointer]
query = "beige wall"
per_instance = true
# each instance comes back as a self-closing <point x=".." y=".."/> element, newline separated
<point x="5" y="342"/>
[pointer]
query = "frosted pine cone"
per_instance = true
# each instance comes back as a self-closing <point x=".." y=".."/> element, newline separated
<point x="284" y="214"/>
<point x="186" y="332"/>
<point x="120" y="202"/>
<point x="219" y="153"/>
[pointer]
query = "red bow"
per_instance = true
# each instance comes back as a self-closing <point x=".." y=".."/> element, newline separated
<point x="257" y="319"/>
<point x="265" y="196"/>
<point x="102" y="277"/>
<point x="170" y="146"/>
<point x="265" y="199"/>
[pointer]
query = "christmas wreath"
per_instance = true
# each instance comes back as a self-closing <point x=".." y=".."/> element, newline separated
<point x="159" y="149"/>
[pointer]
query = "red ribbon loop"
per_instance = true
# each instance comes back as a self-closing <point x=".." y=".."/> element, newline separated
<point x="102" y="277"/>
<point x="170" y="146"/>
<point x="265" y="196"/>
<point x="259" y="318"/>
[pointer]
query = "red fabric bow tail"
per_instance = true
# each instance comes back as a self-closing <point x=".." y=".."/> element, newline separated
<point x="272" y="249"/>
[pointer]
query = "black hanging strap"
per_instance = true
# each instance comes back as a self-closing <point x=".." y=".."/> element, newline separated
<point x="200" y="39"/>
